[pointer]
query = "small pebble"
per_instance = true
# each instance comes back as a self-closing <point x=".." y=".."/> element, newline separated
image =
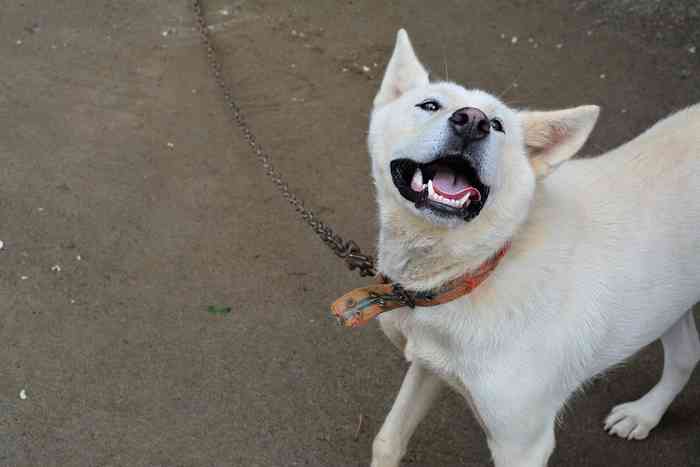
<point x="18" y="42"/>
<point x="224" y="11"/>
<point x="692" y="49"/>
<point x="514" y="40"/>
<point x="294" y="32"/>
<point x="624" y="111"/>
<point x="530" y="40"/>
<point x="40" y="209"/>
<point x="56" y="268"/>
<point x="24" y="278"/>
<point x="79" y="258"/>
<point x="589" y="33"/>
<point x="365" y="68"/>
<point x="165" y="33"/>
<point x="170" y="145"/>
<point x="2" y="244"/>
<point x="23" y="394"/>
<point x="560" y="45"/>
<point x="602" y="76"/>
<point x="503" y="36"/>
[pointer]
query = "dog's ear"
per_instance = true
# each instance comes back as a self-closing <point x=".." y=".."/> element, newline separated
<point x="404" y="72"/>
<point x="553" y="137"/>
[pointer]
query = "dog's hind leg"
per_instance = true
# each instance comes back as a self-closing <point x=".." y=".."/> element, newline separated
<point x="634" y="420"/>
<point x="419" y="389"/>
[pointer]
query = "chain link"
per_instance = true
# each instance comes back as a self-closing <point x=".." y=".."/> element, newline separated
<point x="347" y="250"/>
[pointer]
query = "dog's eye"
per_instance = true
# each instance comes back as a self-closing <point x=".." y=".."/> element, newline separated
<point x="497" y="125"/>
<point x="429" y="106"/>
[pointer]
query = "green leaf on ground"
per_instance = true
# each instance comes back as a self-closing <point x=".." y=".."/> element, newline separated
<point x="219" y="310"/>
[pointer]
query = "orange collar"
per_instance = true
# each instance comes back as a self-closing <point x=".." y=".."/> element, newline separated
<point x="359" y="306"/>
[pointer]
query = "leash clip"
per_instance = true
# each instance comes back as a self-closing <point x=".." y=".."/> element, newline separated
<point x="403" y="295"/>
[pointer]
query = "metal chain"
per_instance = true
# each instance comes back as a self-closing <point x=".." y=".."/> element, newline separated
<point x="347" y="250"/>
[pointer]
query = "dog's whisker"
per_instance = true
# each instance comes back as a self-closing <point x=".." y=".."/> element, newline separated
<point x="513" y="84"/>
<point x="444" y="62"/>
<point x="510" y="103"/>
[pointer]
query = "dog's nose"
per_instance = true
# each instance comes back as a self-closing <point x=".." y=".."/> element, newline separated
<point x="470" y="123"/>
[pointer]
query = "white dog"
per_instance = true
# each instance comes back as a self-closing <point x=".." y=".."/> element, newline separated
<point x="605" y="257"/>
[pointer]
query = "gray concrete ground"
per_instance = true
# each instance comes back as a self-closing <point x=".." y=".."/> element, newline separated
<point x="118" y="166"/>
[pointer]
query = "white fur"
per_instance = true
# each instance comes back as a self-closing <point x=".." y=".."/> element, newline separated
<point x="605" y="259"/>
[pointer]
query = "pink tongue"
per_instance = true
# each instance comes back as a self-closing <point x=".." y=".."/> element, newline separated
<point x="446" y="183"/>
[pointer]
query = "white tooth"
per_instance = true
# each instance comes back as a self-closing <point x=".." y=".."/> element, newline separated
<point x="431" y="190"/>
<point x="417" y="181"/>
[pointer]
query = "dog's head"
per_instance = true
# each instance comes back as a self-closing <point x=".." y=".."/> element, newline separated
<point x="455" y="157"/>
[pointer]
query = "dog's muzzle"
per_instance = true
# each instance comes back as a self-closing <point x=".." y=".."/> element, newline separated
<point x="449" y="185"/>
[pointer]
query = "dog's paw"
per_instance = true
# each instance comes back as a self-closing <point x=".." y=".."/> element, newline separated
<point x="385" y="462"/>
<point x="386" y="453"/>
<point x="632" y="420"/>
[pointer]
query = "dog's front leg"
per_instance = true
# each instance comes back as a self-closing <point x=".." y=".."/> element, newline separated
<point x="520" y="433"/>
<point x="517" y="417"/>
<point x="524" y="443"/>
<point x="419" y="389"/>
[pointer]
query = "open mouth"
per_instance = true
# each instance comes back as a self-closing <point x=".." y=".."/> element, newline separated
<point x="448" y="186"/>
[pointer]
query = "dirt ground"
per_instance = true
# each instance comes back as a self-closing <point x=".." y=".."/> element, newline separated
<point x="129" y="205"/>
